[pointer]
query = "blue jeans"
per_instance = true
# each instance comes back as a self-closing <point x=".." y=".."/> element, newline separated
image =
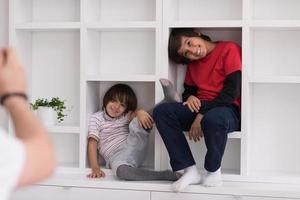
<point x="172" y="119"/>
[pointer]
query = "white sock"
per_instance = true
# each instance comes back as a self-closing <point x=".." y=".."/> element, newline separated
<point x="213" y="179"/>
<point x="190" y="176"/>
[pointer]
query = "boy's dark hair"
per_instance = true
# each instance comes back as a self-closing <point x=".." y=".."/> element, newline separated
<point x="124" y="94"/>
<point x="175" y="43"/>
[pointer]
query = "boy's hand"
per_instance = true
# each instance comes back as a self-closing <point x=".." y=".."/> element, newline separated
<point x="193" y="103"/>
<point x="195" y="132"/>
<point x="96" y="173"/>
<point x="145" y="120"/>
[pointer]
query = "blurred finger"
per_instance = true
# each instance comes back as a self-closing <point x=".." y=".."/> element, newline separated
<point x="196" y="106"/>
<point x="140" y="123"/>
<point x="190" y="107"/>
<point x="151" y="119"/>
<point x="11" y="57"/>
<point x="190" y="135"/>
<point x="195" y="136"/>
<point x="145" y="126"/>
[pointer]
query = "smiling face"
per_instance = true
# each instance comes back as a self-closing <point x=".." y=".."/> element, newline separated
<point x="115" y="108"/>
<point x="193" y="48"/>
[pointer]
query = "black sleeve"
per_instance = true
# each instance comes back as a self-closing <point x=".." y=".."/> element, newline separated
<point x="188" y="91"/>
<point x="230" y="91"/>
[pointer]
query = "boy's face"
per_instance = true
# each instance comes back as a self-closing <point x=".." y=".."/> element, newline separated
<point x="115" y="108"/>
<point x="192" y="48"/>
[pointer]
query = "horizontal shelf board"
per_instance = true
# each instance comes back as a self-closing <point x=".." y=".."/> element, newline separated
<point x="138" y="78"/>
<point x="207" y="23"/>
<point x="274" y="79"/>
<point x="48" y="26"/>
<point x="244" y="187"/>
<point x="233" y="135"/>
<point x="63" y="129"/>
<point x="275" y="24"/>
<point x="123" y="25"/>
<point x="236" y="134"/>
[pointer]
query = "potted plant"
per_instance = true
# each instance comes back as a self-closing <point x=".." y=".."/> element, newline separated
<point x="46" y="110"/>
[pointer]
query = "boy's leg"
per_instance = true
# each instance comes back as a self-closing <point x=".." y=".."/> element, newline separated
<point x="135" y="153"/>
<point x="170" y="94"/>
<point x="130" y="173"/>
<point x="216" y="124"/>
<point x="136" y="143"/>
<point x="171" y="120"/>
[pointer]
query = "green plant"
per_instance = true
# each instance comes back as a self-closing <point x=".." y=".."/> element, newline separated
<point x="56" y="103"/>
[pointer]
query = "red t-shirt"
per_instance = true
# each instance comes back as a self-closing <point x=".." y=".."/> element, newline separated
<point x="208" y="74"/>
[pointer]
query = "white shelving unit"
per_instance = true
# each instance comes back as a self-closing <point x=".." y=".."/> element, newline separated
<point x="76" y="49"/>
<point x="273" y="70"/>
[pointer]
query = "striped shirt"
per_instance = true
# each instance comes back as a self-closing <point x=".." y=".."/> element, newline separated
<point x="109" y="132"/>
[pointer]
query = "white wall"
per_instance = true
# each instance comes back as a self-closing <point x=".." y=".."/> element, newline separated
<point x="3" y="22"/>
<point x="3" y="42"/>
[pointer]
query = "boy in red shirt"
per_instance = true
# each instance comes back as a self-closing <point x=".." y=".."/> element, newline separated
<point x="210" y="108"/>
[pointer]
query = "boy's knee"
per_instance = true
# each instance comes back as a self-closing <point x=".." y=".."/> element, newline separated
<point x="213" y="122"/>
<point x="161" y="110"/>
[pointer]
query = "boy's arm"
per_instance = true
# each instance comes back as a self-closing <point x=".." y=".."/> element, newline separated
<point x="40" y="159"/>
<point x="92" y="154"/>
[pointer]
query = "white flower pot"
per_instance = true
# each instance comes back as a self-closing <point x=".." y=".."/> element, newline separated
<point x="47" y="116"/>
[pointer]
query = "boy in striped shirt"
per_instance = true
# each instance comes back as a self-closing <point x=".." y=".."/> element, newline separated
<point x="119" y="132"/>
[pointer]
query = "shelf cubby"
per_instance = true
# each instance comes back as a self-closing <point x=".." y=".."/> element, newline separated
<point x="120" y="52"/>
<point x="275" y="128"/>
<point x="66" y="147"/>
<point x="196" y="10"/>
<point x="275" y="52"/>
<point x="146" y="100"/>
<point x="27" y="11"/>
<point x="120" y="10"/>
<point x="275" y="9"/>
<point x="49" y="58"/>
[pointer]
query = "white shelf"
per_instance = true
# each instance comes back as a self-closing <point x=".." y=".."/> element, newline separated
<point x="274" y="52"/>
<point x="49" y="26"/>
<point x="274" y="137"/>
<point x="120" y="10"/>
<point x="207" y="23"/>
<point x="274" y="79"/>
<point x="122" y="51"/>
<point x="238" y="187"/>
<point x="45" y="11"/>
<point x="235" y="135"/>
<point x="122" y="25"/>
<point x="77" y="49"/>
<point x="120" y="77"/>
<point x="193" y="10"/>
<point x="275" y="9"/>
<point x="275" y="24"/>
<point x="63" y="129"/>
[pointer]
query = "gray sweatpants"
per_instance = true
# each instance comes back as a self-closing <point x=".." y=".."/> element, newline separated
<point x="133" y="151"/>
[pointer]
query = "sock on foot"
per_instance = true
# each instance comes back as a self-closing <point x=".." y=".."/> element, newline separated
<point x="169" y="90"/>
<point x="170" y="94"/>
<point x="213" y="179"/>
<point x="190" y="176"/>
